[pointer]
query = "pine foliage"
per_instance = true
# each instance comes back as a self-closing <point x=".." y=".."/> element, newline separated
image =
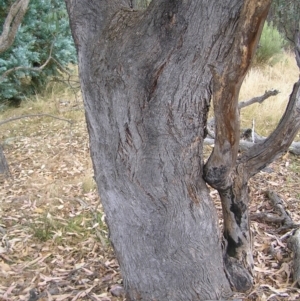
<point x="44" y="27"/>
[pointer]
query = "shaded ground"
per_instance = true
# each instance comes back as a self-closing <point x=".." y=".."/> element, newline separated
<point x="53" y="240"/>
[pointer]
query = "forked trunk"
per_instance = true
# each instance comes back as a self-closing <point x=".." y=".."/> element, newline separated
<point x="147" y="80"/>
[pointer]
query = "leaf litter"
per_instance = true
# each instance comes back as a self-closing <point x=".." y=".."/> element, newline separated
<point x="53" y="238"/>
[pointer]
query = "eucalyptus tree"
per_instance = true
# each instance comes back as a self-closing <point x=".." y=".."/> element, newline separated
<point x="148" y="77"/>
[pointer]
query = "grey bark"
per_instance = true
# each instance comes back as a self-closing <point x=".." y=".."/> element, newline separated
<point x="282" y="217"/>
<point x="146" y="110"/>
<point x="147" y="79"/>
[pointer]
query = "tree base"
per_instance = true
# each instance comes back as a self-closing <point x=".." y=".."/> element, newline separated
<point x="238" y="276"/>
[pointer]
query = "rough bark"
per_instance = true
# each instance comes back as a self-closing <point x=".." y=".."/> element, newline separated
<point x="241" y="105"/>
<point x="234" y="199"/>
<point x="11" y="23"/>
<point x="147" y="79"/>
<point x="221" y="171"/>
<point x="258" y="99"/>
<point x="246" y="141"/>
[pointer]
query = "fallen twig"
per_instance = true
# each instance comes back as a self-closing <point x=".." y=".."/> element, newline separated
<point x="277" y="203"/>
<point x="35" y="115"/>
<point x="283" y="218"/>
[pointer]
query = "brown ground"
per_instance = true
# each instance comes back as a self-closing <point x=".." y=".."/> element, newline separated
<point x="52" y="236"/>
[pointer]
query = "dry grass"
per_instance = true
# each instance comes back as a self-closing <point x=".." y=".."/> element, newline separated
<point x="281" y="77"/>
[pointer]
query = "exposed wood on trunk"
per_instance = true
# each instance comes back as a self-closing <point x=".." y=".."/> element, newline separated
<point x="227" y="80"/>
<point x="246" y="142"/>
<point x="241" y="105"/>
<point x="260" y="155"/>
<point x="34" y="115"/>
<point x="258" y="99"/>
<point x="221" y="171"/>
<point x="147" y="87"/>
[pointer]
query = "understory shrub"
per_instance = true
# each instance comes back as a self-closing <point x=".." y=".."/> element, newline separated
<point x="270" y="46"/>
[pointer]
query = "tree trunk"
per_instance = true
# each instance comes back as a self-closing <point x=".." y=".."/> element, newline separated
<point x="147" y="79"/>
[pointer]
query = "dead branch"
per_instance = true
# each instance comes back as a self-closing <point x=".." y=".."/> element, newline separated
<point x="258" y="99"/>
<point x="282" y="217"/>
<point x="35" y="115"/>
<point x="36" y="69"/>
<point x="12" y="22"/>
<point x="246" y="144"/>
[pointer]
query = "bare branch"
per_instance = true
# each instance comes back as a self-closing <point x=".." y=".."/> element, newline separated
<point x="211" y="122"/>
<point x="245" y="145"/>
<point x="227" y="79"/>
<point x="258" y="99"/>
<point x="35" y="115"/>
<point x="11" y="24"/>
<point x="279" y="141"/>
<point x="37" y="69"/>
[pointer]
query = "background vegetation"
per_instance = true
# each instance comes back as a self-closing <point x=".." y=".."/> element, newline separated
<point x="44" y="31"/>
<point x="271" y="46"/>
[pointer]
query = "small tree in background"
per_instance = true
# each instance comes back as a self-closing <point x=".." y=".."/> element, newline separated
<point x="271" y="45"/>
<point x="285" y="15"/>
<point x="44" y="31"/>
